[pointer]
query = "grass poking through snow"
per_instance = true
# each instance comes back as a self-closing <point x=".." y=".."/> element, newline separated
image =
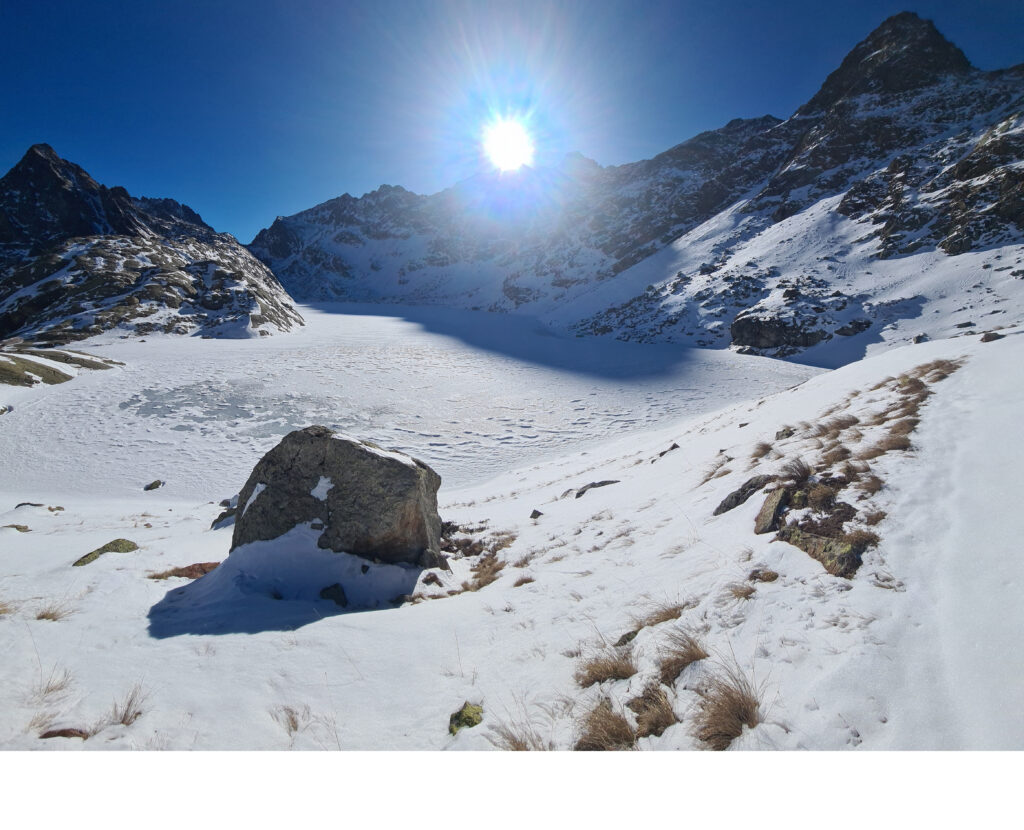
<point x="731" y="701"/>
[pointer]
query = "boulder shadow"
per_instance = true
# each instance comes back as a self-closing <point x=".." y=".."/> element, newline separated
<point x="258" y="589"/>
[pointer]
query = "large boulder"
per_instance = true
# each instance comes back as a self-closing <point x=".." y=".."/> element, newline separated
<point x="377" y="504"/>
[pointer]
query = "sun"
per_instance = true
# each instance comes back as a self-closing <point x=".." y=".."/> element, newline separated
<point x="508" y="144"/>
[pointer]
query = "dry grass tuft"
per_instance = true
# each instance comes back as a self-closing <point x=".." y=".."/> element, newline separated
<point x="797" y="471"/>
<point x="821" y="497"/>
<point x="885" y="444"/>
<point x="873" y="517"/>
<point x="861" y="539"/>
<point x="54" y="611"/>
<point x="613" y="664"/>
<point x="129" y="710"/>
<point x="893" y="442"/>
<point x="485" y="571"/>
<point x="526" y="579"/>
<point x="904" y="427"/>
<point x="654" y="712"/>
<point x="834" y="454"/>
<point x="712" y="470"/>
<point x="293" y="720"/>
<point x="910" y="385"/>
<point x="761" y="449"/>
<point x="661" y="614"/>
<point x="519" y="737"/>
<point x="841" y="422"/>
<point x="682" y="650"/>
<point x="740" y="590"/>
<point x="58" y="680"/>
<point x="730" y="702"/>
<point x="870" y="484"/>
<point x="604" y="730"/>
<point x="5" y="608"/>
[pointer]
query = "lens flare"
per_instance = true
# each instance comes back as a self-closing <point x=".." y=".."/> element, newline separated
<point x="508" y="145"/>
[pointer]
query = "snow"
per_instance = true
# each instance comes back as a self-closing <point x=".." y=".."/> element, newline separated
<point x="323" y="487"/>
<point x="920" y="649"/>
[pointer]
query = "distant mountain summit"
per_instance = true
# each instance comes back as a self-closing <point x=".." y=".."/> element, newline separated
<point x="849" y="223"/>
<point x="903" y="54"/>
<point x="78" y="258"/>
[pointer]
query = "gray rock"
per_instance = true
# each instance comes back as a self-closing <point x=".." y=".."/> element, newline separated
<point x="336" y="593"/>
<point x="742" y="493"/>
<point x="768" y="518"/>
<point x="374" y="503"/>
<point x="594" y="484"/>
<point x="536" y="514"/>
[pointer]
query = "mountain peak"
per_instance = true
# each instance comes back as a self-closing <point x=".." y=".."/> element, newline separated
<point x="43" y="150"/>
<point x="905" y="52"/>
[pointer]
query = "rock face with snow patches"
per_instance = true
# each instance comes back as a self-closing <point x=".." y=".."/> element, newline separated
<point x="78" y="258"/>
<point x="776" y="236"/>
<point x="378" y="504"/>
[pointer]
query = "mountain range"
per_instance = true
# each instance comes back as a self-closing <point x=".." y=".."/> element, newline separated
<point x="888" y="208"/>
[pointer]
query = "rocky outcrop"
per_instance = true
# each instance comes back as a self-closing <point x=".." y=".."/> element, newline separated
<point x="839" y="556"/>
<point x="742" y="493"/>
<point x="78" y="258"/>
<point x="768" y="516"/>
<point x="377" y="504"/>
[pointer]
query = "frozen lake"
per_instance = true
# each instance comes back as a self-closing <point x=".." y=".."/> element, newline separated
<point x="471" y="393"/>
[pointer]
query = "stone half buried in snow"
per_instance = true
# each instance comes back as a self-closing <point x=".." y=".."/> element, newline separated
<point x="377" y="504"/>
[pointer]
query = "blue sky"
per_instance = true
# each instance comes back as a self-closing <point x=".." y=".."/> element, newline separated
<point x="246" y="110"/>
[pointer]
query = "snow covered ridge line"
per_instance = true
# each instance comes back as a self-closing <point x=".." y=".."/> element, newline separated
<point x="77" y="259"/>
<point x="820" y="237"/>
<point x="638" y="615"/>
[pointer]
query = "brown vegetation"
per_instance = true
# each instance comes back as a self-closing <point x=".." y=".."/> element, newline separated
<point x="604" y="729"/>
<point x="682" y="650"/>
<point x="613" y="664"/>
<point x="730" y="702"/>
<point x="654" y="712"/>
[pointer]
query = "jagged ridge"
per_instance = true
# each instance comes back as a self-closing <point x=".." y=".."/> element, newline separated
<point x="78" y="258"/>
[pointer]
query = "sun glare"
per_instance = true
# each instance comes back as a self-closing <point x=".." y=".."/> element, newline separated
<point x="508" y="145"/>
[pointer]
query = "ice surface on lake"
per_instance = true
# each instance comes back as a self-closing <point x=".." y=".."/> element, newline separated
<point x="471" y="394"/>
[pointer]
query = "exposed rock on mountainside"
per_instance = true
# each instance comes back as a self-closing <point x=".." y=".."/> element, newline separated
<point x="774" y="236"/>
<point x="78" y="258"/>
<point x="374" y="503"/>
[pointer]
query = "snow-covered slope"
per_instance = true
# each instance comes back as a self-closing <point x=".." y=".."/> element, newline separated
<point x="77" y="258"/>
<point x="917" y="649"/>
<point x="843" y="227"/>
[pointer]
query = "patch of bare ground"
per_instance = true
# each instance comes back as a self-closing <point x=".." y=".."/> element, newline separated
<point x="187" y="572"/>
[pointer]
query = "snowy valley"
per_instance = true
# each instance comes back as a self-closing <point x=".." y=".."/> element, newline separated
<point x="726" y="439"/>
